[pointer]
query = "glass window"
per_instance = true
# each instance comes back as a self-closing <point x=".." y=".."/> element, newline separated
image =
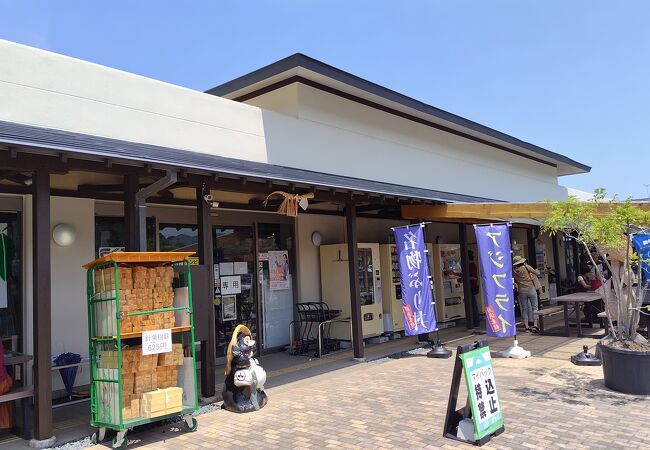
<point x="109" y="232"/>
<point x="173" y="237"/>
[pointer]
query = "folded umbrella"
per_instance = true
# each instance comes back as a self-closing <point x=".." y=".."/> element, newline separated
<point x="68" y="374"/>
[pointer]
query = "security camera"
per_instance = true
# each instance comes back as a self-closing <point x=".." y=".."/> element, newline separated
<point x="207" y="198"/>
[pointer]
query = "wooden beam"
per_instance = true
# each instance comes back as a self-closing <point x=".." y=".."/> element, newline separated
<point x="42" y="294"/>
<point x="488" y="211"/>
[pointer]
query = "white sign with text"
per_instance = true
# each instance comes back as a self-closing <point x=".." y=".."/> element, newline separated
<point x="156" y="341"/>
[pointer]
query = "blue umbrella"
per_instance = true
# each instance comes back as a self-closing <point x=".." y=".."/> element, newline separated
<point x="68" y="374"/>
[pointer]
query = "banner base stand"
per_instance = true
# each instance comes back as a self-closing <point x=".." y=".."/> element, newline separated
<point x="438" y="350"/>
<point x="515" y="351"/>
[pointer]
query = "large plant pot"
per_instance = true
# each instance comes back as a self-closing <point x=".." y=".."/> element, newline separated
<point x="626" y="371"/>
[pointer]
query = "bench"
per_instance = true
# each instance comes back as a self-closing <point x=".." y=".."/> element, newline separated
<point x="25" y="394"/>
<point x="548" y="312"/>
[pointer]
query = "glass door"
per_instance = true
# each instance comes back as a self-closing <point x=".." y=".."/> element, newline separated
<point x="275" y="277"/>
<point x="234" y="274"/>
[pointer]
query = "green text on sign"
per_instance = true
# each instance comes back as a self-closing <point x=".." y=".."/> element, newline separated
<point x="482" y="389"/>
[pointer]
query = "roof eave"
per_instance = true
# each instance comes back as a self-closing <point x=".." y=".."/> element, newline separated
<point x="300" y="60"/>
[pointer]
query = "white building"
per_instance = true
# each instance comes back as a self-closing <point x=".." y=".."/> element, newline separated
<point x="78" y="140"/>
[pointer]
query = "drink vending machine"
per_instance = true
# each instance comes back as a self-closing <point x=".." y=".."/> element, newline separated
<point x="335" y="287"/>
<point x="392" y="286"/>
<point x="448" y="277"/>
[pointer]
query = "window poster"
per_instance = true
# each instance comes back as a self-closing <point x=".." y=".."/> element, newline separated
<point x="240" y="268"/>
<point x="226" y="268"/>
<point x="279" y="270"/>
<point x="229" y="308"/>
<point x="231" y="285"/>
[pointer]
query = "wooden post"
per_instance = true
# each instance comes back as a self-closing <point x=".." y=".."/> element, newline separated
<point x="467" y="286"/>
<point x="42" y="305"/>
<point x="131" y="214"/>
<point x="556" y="263"/>
<point x="206" y="258"/>
<point x="353" y="262"/>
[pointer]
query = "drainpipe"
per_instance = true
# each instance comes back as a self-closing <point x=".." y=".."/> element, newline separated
<point x="141" y="207"/>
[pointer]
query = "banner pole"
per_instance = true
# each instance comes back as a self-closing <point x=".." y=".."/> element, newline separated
<point x="419" y="224"/>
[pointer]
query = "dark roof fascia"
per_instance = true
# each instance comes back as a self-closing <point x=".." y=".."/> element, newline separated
<point x="314" y="65"/>
<point x="16" y="134"/>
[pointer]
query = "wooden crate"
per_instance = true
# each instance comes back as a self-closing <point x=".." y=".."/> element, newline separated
<point x="162" y="402"/>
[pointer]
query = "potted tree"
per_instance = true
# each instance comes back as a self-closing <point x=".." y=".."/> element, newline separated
<point x="605" y="228"/>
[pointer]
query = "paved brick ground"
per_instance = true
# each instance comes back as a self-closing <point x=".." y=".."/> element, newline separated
<point x="400" y="403"/>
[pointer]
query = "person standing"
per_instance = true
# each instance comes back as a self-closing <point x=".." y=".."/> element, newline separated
<point x="524" y="279"/>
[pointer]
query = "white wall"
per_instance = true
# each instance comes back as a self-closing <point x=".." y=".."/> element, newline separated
<point x="377" y="230"/>
<point x="69" y="310"/>
<point x="335" y="135"/>
<point x="50" y="90"/>
<point x="332" y="228"/>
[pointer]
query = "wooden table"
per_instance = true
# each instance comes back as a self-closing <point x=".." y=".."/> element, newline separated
<point x="577" y="298"/>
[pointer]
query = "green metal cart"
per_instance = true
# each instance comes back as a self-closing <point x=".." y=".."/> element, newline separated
<point x="109" y="343"/>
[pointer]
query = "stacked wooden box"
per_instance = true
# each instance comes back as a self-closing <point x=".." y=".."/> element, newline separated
<point x="167" y="369"/>
<point x="147" y="289"/>
<point x="142" y="374"/>
<point x="162" y="402"/>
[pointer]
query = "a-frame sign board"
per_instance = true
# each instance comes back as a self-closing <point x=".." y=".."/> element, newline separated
<point x="474" y="364"/>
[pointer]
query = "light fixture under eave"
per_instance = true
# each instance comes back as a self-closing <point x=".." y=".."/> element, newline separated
<point x="64" y="234"/>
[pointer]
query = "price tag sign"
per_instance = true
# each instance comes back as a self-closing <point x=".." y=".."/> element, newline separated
<point x="156" y="341"/>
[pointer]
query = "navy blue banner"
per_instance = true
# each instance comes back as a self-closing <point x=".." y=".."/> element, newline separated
<point x="493" y="243"/>
<point x="641" y="243"/>
<point x="417" y="296"/>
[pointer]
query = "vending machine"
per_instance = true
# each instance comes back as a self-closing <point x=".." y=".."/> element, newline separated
<point x="335" y="287"/>
<point x="392" y="286"/>
<point x="448" y="276"/>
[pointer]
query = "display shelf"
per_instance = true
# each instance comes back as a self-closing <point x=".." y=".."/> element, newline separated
<point x="130" y="423"/>
<point x="145" y="291"/>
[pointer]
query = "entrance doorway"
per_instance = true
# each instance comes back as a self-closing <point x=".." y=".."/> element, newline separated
<point x="254" y="283"/>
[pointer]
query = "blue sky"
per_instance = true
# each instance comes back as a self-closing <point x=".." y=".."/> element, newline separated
<point x="570" y="76"/>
